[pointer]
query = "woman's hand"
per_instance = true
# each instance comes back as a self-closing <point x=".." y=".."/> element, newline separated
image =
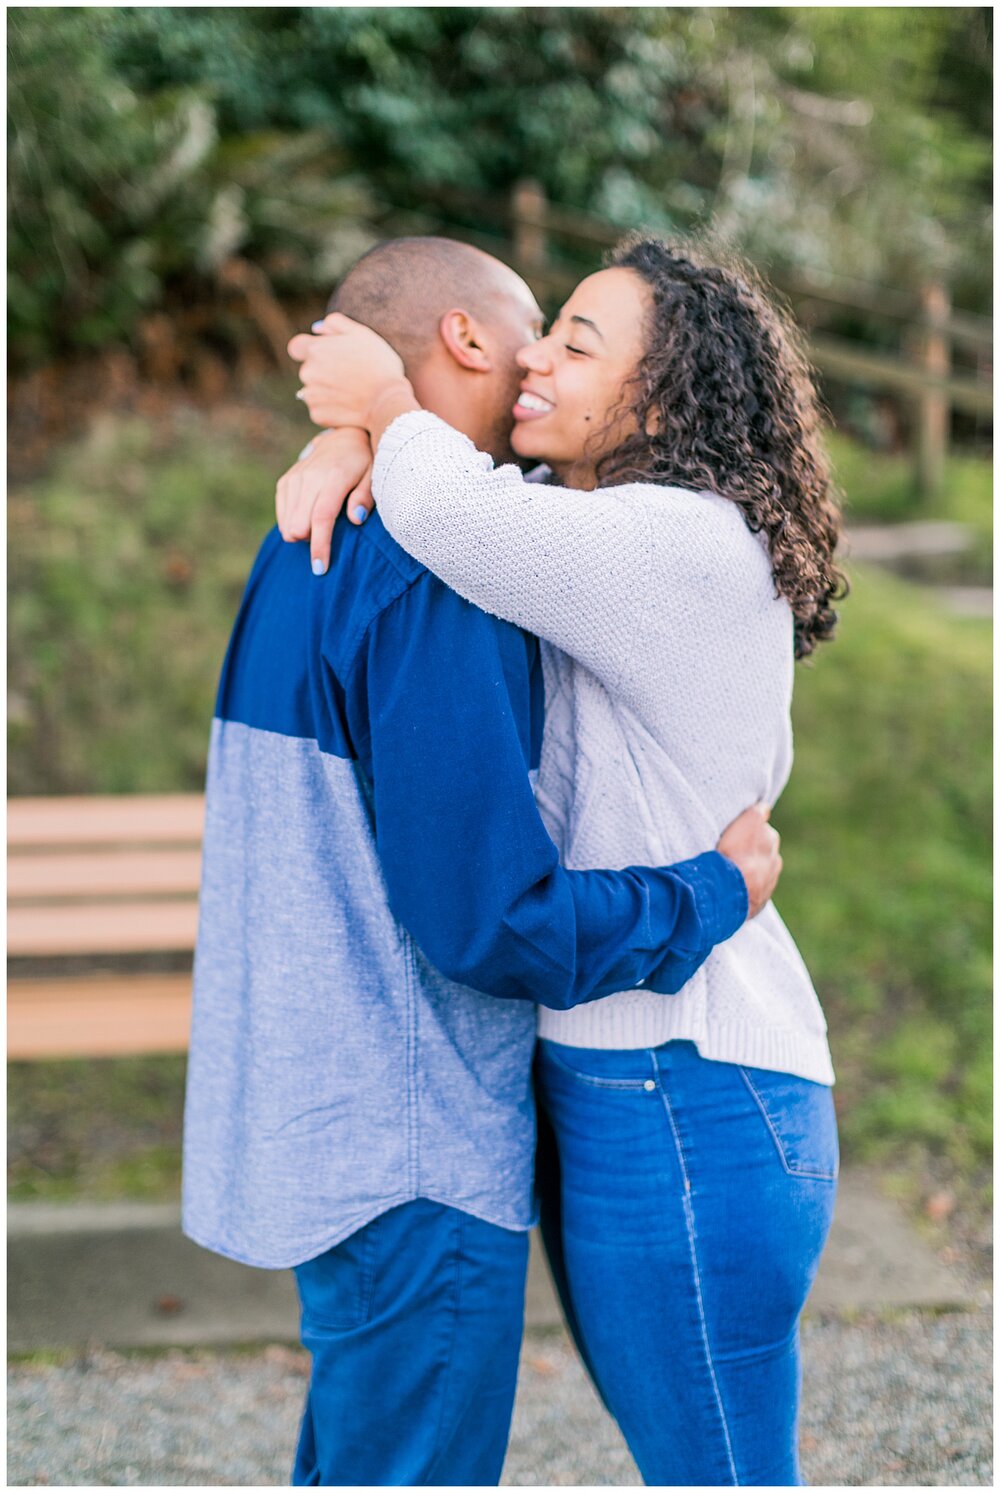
<point x="753" y="845"/>
<point x="350" y="375"/>
<point x="335" y="468"/>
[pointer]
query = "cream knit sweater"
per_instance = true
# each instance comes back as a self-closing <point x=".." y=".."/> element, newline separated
<point x="668" y="679"/>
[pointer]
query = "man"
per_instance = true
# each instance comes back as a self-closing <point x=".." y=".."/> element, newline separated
<point x="381" y="908"/>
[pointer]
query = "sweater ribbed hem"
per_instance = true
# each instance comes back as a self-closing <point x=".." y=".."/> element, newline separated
<point x="643" y="1024"/>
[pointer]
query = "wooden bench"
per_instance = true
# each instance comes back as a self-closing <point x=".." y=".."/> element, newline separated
<point x="98" y="882"/>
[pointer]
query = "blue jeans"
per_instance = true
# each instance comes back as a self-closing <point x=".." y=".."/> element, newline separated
<point x="685" y="1206"/>
<point x="414" y="1325"/>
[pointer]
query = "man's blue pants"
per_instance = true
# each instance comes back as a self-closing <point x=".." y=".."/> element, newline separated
<point x="414" y="1325"/>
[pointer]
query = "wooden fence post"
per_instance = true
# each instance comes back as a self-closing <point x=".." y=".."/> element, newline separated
<point x="528" y="211"/>
<point x="933" y="405"/>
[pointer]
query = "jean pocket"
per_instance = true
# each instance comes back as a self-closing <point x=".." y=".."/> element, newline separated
<point x="600" y="1068"/>
<point x="801" y="1119"/>
<point x="336" y="1287"/>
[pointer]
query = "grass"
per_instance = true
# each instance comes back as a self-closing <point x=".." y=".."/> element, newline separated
<point x="102" y="1129"/>
<point x="880" y="488"/>
<point x="128" y="560"/>
<point x="887" y="876"/>
<point x="128" y="557"/>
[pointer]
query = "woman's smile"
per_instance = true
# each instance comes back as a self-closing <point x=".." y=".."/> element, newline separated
<point x="574" y="376"/>
<point x="532" y="406"/>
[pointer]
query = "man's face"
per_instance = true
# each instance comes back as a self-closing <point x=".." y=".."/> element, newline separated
<point x="513" y="319"/>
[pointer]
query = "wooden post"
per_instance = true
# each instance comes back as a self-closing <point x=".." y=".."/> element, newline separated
<point x="933" y="407"/>
<point x="528" y="214"/>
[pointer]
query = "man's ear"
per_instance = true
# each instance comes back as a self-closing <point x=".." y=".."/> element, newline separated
<point x="461" y="336"/>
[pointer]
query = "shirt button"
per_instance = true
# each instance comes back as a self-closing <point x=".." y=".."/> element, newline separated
<point x="649" y="1085"/>
<point x="640" y="982"/>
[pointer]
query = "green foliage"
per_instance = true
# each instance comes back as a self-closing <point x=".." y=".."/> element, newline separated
<point x="150" y="143"/>
<point x="815" y="119"/>
<point x="120" y="202"/>
<point x="884" y="160"/>
<point x="471" y="97"/>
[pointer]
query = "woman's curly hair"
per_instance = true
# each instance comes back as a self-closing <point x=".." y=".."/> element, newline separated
<point x="727" y="393"/>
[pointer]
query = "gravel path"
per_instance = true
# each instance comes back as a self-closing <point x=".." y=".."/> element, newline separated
<point x="900" y="1402"/>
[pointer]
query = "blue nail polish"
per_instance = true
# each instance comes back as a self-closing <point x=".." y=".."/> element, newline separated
<point x="359" y="515"/>
<point x="319" y="566"/>
<point x="317" y="326"/>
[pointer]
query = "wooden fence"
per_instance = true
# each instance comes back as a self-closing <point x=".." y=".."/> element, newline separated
<point x="537" y="235"/>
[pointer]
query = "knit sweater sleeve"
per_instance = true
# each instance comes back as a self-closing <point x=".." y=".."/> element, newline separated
<point x="570" y="566"/>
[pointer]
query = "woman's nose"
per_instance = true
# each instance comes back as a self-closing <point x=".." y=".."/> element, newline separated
<point x="534" y="356"/>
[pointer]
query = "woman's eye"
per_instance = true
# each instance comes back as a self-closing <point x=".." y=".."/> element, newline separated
<point x="578" y="350"/>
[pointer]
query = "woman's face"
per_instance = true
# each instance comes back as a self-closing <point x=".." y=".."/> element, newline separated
<point x="574" y="376"/>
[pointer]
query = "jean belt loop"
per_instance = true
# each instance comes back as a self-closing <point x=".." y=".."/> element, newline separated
<point x="655" y="1061"/>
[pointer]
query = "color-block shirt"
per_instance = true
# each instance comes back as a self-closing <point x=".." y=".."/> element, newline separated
<point x="382" y="908"/>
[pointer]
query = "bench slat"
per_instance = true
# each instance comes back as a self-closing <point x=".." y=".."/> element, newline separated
<point x="103" y="873"/>
<point x="112" y="928"/>
<point x="102" y="1017"/>
<point x="123" y="819"/>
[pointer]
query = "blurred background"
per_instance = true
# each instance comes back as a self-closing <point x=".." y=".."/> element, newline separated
<point x="185" y="186"/>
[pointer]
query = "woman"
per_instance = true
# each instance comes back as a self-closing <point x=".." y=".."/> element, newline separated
<point x="679" y="561"/>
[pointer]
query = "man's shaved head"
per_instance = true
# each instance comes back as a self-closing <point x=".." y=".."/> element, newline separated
<point x="457" y="317"/>
<point x="402" y="289"/>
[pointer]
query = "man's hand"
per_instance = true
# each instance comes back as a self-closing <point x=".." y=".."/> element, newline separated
<point x="349" y="373"/>
<point x="334" y="469"/>
<point x="752" y="845"/>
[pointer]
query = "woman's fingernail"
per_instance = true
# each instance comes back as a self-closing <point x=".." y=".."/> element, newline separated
<point x="300" y="393"/>
<point x="319" y="566"/>
<point x="359" y="515"/>
<point x="317" y="326"/>
<point x="306" y="451"/>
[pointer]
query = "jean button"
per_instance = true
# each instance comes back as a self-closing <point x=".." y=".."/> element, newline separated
<point x="640" y="982"/>
<point x="649" y="1085"/>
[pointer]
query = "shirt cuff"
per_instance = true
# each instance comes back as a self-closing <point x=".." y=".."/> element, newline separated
<point x="720" y="895"/>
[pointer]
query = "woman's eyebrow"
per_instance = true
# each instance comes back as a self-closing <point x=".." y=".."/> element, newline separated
<point x="586" y="322"/>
